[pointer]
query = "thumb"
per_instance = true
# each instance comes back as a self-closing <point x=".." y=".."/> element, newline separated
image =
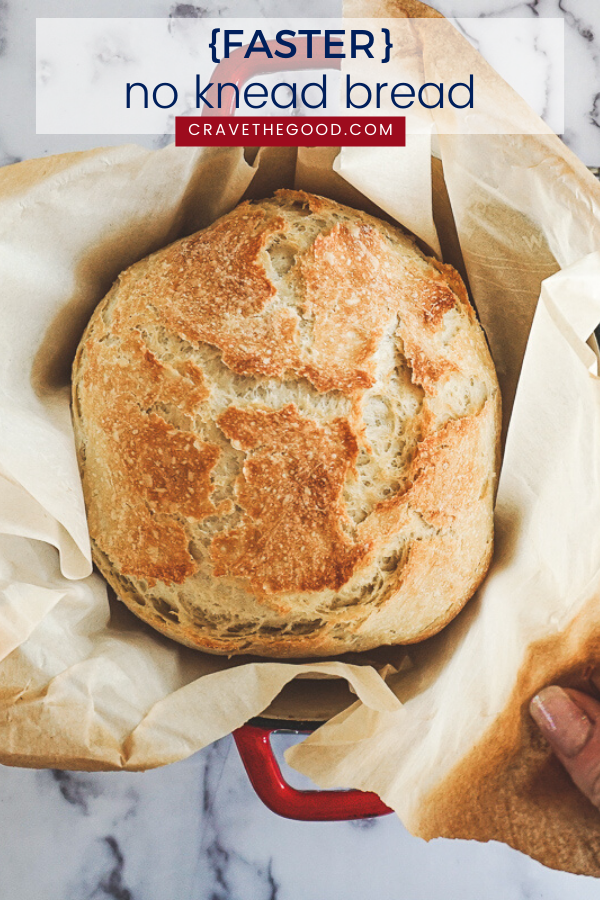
<point x="570" y="721"/>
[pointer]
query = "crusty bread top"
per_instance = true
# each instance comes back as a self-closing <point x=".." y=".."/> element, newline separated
<point x="287" y="428"/>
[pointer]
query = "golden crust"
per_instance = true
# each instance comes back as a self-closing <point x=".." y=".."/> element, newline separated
<point x="291" y="538"/>
<point x="287" y="428"/>
<point x="346" y="292"/>
<point x="163" y="472"/>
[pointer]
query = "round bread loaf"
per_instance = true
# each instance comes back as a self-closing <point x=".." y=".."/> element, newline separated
<point x="287" y="428"/>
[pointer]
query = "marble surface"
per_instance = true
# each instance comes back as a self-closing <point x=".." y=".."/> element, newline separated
<point x="17" y="59"/>
<point x="196" y="829"/>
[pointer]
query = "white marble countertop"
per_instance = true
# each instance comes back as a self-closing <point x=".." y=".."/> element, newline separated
<point x="196" y="829"/>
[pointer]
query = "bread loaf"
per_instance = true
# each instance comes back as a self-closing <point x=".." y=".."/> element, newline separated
<point x="287" y="428"/>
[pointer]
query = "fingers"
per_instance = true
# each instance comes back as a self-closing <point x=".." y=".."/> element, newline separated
<point x="570" y="721"/>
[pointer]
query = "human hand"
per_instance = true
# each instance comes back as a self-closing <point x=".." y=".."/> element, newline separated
<point x="570" y="721"/>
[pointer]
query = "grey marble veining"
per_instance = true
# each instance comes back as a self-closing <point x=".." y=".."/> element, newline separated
<point x="582" y="60"/>
<point x="196" y="829"/>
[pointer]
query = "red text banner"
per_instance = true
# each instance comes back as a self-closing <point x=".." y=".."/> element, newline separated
<point x="290" y="131"/>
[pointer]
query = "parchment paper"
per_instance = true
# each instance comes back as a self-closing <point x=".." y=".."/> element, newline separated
<point x="463" y="758"/>
<point x="83" y="684"/>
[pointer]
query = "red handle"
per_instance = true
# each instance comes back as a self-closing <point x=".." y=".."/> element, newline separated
<point x="237" y="70"/>
<point x="257" y="755"/>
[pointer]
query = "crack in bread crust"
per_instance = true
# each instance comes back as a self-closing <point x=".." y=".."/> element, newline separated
<point x="291" y="538"/>
<point x="287" y="428"/>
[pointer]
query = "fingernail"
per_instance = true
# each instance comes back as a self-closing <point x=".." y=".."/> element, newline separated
<point x="561" y="721"/>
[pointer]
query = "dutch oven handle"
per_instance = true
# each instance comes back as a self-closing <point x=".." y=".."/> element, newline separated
<point x="237" y="70"/>
<point x="256" y="752"/>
